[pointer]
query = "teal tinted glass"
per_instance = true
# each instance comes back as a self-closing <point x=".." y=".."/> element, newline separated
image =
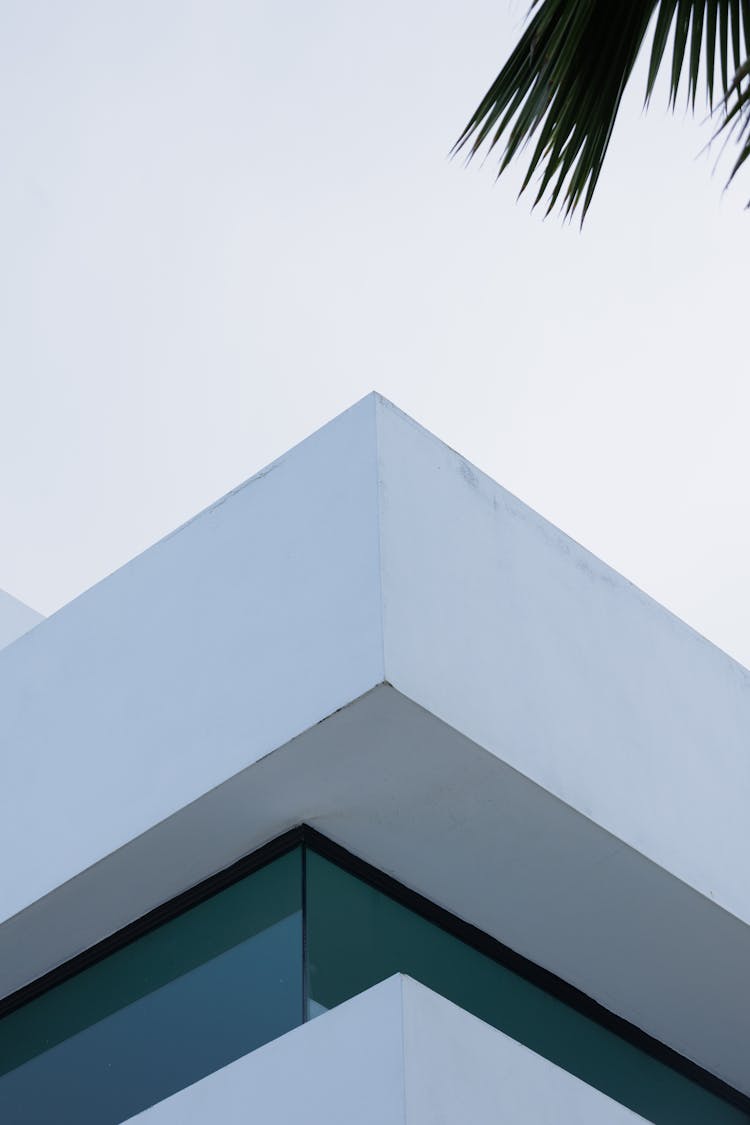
<point x="160" y="1013"/>
<point x="357" y="936"/>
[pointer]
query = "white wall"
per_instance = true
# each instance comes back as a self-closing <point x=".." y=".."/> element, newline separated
<point x="512" y="633"/>
<point x="395" y="1055"/>
<point x="564" y="764"/>
<point x="458" y="1069"/>
<point x="345" y="1068"/>
<point x="15" y="619"/>
<point x="264" y="614"/>
<point x="247" y="626"/>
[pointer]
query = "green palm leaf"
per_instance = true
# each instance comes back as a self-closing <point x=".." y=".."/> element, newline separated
<point x="561" y="88"/>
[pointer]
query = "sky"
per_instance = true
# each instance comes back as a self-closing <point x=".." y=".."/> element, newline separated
<point x="223" y="222"/>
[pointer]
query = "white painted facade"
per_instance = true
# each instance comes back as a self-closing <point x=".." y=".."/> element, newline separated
<point x="395" y="1055"/>
<point x="16" y="618"/>
<point x="373" y="638"/>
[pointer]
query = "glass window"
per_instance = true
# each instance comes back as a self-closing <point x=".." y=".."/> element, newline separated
<point x="357" y="936"/>
<point x="160" y="1013"/>
<point x="249" y="963"/>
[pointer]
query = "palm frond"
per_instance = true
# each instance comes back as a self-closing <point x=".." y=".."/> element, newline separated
<point x="563" y="84"/>
<point x="736" y="122"/>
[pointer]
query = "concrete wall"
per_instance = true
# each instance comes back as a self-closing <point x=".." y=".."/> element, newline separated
<point x="396" y="1055"/>
<point x="245" y="627"/>
<point x="15" y="619"/>
<point x="515" y="635"/>
<point x="559" y="760"/>
<point x="371" y="552"/>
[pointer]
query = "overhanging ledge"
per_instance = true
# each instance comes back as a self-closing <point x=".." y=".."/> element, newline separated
<point x="372" y="637"/>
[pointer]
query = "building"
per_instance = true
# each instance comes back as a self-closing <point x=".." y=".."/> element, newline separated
<point x="368" y="796"/>
<point x="15" y="619"/>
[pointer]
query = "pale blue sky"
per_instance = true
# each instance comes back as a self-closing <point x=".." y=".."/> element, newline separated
<point x="222" y="222"/>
